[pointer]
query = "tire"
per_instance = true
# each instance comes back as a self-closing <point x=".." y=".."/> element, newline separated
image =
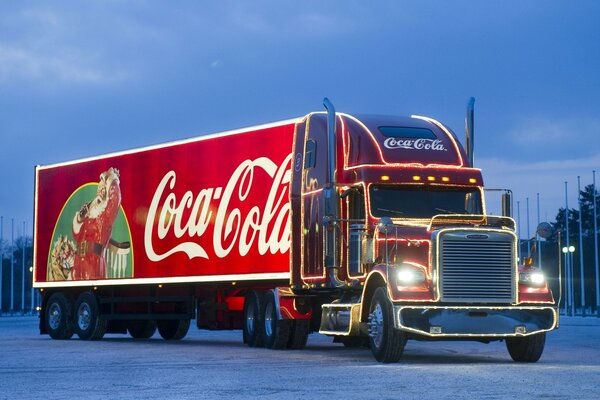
<point x="387" y="342"/>
<point x="142" y="329"/>
<point x="299" y="334"/>
<point x="276" y="332"/>
<point x="174" y="329"/>
<point x="58" y="316"/>
<point x="87" y="322"/>
<point x="527" y="348"/>
<point x="252" y="321"/>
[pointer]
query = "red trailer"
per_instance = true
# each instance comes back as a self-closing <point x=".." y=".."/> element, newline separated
<point x="370" y="229"/>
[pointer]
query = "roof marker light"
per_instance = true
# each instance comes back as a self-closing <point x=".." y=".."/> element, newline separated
<point x="416" y="178"/>
<point x="431" y="178"/>
<point x="472" y="180"/>
<point x="385" y="178"/>
<point x="445" y="179"/>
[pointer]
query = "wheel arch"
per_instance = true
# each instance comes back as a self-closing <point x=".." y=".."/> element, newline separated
<point x="376" y="279"/>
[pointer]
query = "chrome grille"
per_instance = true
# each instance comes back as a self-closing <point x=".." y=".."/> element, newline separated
<point x="478" y="270"/>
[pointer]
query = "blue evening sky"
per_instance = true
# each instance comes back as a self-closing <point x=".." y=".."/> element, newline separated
<point x="81" y="78"/>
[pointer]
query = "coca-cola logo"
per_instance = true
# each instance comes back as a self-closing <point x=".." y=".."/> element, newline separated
<point x="264" y="226"/>
<point x="414" y="144"/>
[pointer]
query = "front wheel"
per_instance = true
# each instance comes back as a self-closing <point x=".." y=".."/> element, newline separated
<point x="88" y="324"/>
<point x="527" y="348"/>
<point x="387" y="342"/>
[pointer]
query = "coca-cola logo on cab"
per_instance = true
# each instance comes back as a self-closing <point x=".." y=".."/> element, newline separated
<point x="263" y="226"/>
<point x="414" y="144"/>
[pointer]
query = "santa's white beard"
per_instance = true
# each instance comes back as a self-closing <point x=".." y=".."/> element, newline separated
<point x="97" y="207"/>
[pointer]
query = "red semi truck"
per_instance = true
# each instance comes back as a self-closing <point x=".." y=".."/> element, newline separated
<point x="370" y="229"/>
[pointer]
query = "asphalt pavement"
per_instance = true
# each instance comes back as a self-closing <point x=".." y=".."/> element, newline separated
<point x="216" y="365"/>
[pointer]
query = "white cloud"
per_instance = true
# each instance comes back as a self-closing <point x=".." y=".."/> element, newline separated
<point x="65" y="66"/>
<point x="559" y="131"/>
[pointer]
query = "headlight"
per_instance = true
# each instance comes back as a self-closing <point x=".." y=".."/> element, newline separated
<point x="409" y="276"/>
<point x="532" y="278"/>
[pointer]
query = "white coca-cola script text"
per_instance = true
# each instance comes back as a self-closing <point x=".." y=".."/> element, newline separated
<point x="264" y="226"/>
<point x="414" y="144"/>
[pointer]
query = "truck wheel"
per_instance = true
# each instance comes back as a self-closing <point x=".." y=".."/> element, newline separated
<point x="276" y="332"/>
<point x="526" y="349"/>
<point x="174" y="329"/>
<point x="252" y="322"/>
<point x="299" y="333"/>
<point x="58" y="317"/>
<point x="88" y="324"/>
<point x="387" y="342"/>
<point x="143" y="329"/>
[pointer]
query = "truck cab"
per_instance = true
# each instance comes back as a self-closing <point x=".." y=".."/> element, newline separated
<point x="390" y="219"/>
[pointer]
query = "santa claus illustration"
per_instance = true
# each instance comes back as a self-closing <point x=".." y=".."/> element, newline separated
<point x="92" y="227"/>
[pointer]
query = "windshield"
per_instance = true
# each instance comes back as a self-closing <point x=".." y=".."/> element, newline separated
<point x="420" y="201"/>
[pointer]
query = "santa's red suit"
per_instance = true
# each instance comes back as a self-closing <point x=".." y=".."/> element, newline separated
<point x="92" y="227"/>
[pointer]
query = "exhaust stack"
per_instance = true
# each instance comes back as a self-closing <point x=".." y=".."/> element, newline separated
<point x="470" y="130"/>
<point x="331" y="142"/>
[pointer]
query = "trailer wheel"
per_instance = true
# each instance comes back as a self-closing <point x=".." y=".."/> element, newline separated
<point x="252" y="321"/>
<point x="58" y="317"/>
<point x="173" y="329"/>
<point x="276" y="332"/>
<point x="526" y="349"/>
<point x="142" y="329"/>
<point x="299" y="334"/>
<point x="88" y="324"/>
<point x="387" y="342"/>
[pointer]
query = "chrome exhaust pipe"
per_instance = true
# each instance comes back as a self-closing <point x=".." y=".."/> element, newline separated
<point x="331" y="142"/>
<point x="332" y="213"/>
<point x="470" y="130"/>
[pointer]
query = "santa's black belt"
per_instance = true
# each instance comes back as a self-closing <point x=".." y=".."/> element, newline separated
<point x="84" y="248"/>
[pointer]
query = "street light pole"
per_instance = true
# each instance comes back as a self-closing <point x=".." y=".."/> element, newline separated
<point x="1" y="260"/>
<point x="596" y="246"/>
<point x="12" y="263"/>
<point x="581" y="269"/>
<point x="24" y="241"/>
<point x="568" y="266"/>
<point x="539" y="243"/>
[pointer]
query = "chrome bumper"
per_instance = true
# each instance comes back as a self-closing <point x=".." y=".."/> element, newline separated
<point x="480" y="322"/>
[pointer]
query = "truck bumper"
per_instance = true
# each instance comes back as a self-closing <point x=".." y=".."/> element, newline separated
<point x="475" y="322"/>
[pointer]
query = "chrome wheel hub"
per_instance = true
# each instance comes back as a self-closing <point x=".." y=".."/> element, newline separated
<point x="54" y="316"/>
<point x="269" y="319"/>
<point x="84" y="316"/>
<point x="376" y="325"/>
<point x="250" y="320"/>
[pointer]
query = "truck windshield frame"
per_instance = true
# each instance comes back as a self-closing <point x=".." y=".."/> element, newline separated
<point x="423" y="201"/>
